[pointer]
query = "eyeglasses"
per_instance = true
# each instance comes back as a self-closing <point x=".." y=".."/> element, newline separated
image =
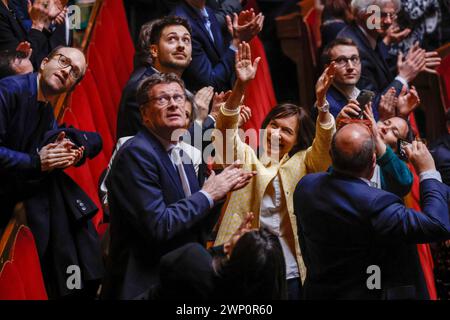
<point x="384" y="15"/>
<point x="163" y="100"/>
<point x="65" y="62"/>
<point x="342" y="61"/>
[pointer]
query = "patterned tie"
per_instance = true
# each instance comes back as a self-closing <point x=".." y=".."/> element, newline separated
<point x="177" y="156"/>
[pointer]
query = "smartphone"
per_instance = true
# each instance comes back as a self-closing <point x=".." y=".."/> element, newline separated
<point x="364" y="97"/>
<point x="401" y="145"/>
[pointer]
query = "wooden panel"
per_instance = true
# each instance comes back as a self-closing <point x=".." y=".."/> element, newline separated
<point x="295" y="43"/>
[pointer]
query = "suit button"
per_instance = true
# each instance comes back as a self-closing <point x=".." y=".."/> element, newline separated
<point x="78" y="201"/>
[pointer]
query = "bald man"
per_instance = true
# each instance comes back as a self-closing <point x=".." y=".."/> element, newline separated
<point x="356" y="240"/>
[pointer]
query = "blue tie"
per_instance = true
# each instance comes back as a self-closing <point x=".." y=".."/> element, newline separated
<point x="207" y="23"/>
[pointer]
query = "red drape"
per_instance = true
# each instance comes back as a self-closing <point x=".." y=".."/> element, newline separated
<point x="259" y="95"/>
<point x="412" y="200"/>
<point x="21" y="276"/>
<point x="95" y="101"/>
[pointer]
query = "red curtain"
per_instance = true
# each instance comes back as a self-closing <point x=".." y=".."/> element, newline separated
<point x="259" y="95"/>
<point x="412" y="200"/>
<point x="94" y="104"/>
<point x="21" y="276"/>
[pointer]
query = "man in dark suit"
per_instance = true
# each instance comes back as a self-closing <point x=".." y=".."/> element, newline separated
<point x="212" y="52"/>
<point x="357" y="241"/>
<point x="154" y="197"/>
<point x="164" y="47"/>
<point x="377" y="64"/>
<point x="33" y="153"/>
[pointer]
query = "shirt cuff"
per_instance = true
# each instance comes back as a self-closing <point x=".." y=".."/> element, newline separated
<point x="430" y="174"/>
<point x="208" y="196"/>
<point x="329" y="125"/>
<point x="232" y="47"/>
<point x="403" y="81"/>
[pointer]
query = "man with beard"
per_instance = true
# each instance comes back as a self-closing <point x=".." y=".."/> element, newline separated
<point x="167" y="44"/>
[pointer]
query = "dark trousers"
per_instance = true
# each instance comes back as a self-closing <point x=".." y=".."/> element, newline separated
<point x="294" y="289"/>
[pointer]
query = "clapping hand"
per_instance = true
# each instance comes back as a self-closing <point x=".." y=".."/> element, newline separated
<point x="407" y="101"/>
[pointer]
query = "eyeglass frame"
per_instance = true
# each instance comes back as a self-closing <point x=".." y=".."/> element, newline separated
<point x="171" y="97"/>
<point x="384" y="15"/>
<point x="62" y="66"/>
<point x="347" y="59"/>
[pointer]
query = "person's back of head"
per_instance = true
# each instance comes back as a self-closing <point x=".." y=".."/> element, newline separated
<point x="255" y="270"/>
<point x="353" y="151"/>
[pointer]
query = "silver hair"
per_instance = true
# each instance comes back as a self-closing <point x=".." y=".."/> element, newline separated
<point x="359" y="7"/>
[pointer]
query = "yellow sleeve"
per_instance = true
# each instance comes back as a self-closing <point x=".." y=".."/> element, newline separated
<point x="317" y="157"/>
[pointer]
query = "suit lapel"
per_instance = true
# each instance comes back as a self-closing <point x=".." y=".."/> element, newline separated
<point x="195" y="15"/>
<point x="167" y="163"/>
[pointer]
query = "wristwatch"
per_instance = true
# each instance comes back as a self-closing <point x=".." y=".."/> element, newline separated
<point x="325" y="107"/>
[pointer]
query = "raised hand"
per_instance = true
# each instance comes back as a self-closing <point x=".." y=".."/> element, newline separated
<point x="245" y="26"/>
<point x="245" y="70"/>
<point x="420" y="157"/>
<point x="324" y="83"/>
<point x="388" y="104"/>
<point x="25" y="49"/>
<point x="351" y="110"/>
<point x="407" y="101"/>
<point x="218" y="99"/>
<point x="432" y="61"/>
<point x="394" y="34"/>
<point x="244" y="116"/>
<point x="380" y="146"/>
<point x="203" y="99"/>
<point x="413" y="64"/>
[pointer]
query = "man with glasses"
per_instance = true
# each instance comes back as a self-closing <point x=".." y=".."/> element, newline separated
<point x="379" y="70"/>
<point x="154" y="197"/>
<point x="33" y="154"/>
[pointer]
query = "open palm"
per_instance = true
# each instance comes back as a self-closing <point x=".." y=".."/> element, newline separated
<point x="245" y="70"/>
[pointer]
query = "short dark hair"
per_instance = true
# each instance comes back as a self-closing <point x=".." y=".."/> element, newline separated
<point x="353" y="162"/>
<point x="306" y="128"/>
<point x="147" y="84"/>
<point x="256" y="268"/>
<point x="159" y="25"/>
<point x="326" y="53"/>
<point x="6" y="60"/>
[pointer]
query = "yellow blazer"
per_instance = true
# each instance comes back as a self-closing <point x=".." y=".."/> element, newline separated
<point x="290" y="170"/>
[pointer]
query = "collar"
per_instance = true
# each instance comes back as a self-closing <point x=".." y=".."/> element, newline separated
<point x="349" y="93"/>
<point x="40" y="95"/>
<point x="366" y="181"/>
<point x="372" y="40"/>
<point x="168" y="146"/>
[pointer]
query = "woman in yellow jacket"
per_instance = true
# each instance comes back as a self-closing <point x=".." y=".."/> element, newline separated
<point x="290" y="150"/>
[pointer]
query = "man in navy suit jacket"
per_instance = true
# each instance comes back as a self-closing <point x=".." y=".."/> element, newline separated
<point x="33" y="154"/>
<point x="348" y="229"/>
<point x="155" y="201"/>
